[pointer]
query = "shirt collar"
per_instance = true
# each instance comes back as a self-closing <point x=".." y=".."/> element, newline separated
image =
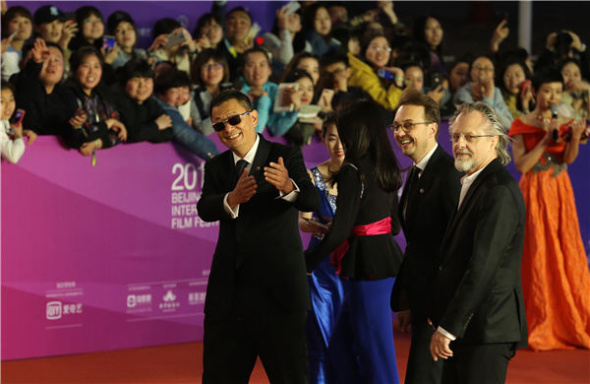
<point x="424" y="162"/>
<point x="251" y="153"/>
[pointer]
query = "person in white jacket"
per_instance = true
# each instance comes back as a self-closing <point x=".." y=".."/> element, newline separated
<point x="11" y="135"/>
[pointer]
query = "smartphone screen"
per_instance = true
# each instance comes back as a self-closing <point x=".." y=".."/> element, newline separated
<point x="18" y="117"/>
<point x="108" y="42"/>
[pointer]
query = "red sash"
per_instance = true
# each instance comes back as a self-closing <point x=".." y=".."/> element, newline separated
<point x="381" y="227"/>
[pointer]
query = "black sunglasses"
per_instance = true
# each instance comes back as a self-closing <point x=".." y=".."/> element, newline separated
<point x="233" y="120"/>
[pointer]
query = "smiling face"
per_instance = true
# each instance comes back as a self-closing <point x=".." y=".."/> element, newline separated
<point x="211" y="73"/>
<point x="378" y="52"/>
<point x="238" y="138"/>
<point x="51" y="32"/>
<point x="421" y="138"/>
<point x="125" y="35"/>
<point x="514" y="77"/>
<point x="472" y="156"/>
<point x="332" y="142"/>
<point x="433" y="33"/>
<point x="311" y="66"/>
<point x="7" y="103"/>
<point x="89" y="73"/>
<point x="53" y="68"/>
<point x="256" y="69"/>
<point x="140" y="88"/>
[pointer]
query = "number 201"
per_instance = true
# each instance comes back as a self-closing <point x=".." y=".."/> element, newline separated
<point x="187" y="177"/>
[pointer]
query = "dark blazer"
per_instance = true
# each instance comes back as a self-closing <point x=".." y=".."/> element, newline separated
<point x="428" y="212"/>
<point x="477" y="290"/>
<point x="264" y="239"/>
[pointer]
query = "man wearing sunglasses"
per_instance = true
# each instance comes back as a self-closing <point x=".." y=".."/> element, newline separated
<point x="477" y="307"/>
<point x="428" y="201"/>
<point x="257" y="295"/>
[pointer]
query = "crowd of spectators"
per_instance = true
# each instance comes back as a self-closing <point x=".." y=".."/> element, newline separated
<point x="85" y="80"/>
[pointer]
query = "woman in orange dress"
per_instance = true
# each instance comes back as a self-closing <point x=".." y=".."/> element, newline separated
<point x="555" y="276"/>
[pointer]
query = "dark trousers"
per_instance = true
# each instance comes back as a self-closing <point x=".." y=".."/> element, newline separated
<point x="259" y="326"/>
<point x="478" y="364"/>
<point x="422" y="369"/>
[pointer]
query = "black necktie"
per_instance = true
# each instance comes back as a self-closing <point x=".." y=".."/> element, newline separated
<point x="412" y="184"/>
<point x="240" y="166"/>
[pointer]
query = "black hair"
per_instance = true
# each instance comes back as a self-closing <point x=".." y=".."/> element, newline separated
<point x="203" y="57"/>
<point x="239" y="9"/>
<point x="12" y="13"/>
<point x="79" y="55"/>
<point x="309" y="16"/>
<point x="165" y="26"/>
<point x="231" y="94"/>
<point x="296" y="75"/>
<point x="203" y="21"/>
<point x="366" y="42"/>
<point x="361" y="131"/>
<point x="299" y="39"/>
<point x="546" y="75"/>
<point x="330" y="119"/>
<point x="418" y="34"/>
<point x="135" y="68"/>
<point x="7" y="85"/>
<point x="172" y="78"/>
<point x="512" y="60"/>
<point x="117" y="18"/>
<point x="292" y="65"/>
<point x="333" y="57"/>
<point x="254" y="50"/>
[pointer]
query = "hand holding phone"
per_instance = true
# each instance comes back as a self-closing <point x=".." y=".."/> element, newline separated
<point x="108" y="43"/>
<point x="177" y="37"/>
<point x="17" y="118"/>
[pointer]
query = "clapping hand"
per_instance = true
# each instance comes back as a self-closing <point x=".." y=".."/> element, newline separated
<point x="278" y="175"/>
<point x="244" y="190"/>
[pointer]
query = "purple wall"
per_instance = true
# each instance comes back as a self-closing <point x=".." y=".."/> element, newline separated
<point x="145" y="14"/>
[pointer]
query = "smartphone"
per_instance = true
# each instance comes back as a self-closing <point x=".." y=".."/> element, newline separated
<point x="108" y="43"/>
<point x="18" y="117"/>
<point x="385" y="74"/>
<point x="174" y="39"/>
<point x="436" y="79"/>
<point x="525" y="85"/>
<point x="292" y="7"/>
<point x="253" y="31"/>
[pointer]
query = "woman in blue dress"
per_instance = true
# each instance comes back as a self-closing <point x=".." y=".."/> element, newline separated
<point x="326" y="288"/>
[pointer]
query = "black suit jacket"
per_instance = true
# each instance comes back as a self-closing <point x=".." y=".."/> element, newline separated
<point x="264" y="240"/>
<point x="428" y="212"/>
<point x="477" y="291"/>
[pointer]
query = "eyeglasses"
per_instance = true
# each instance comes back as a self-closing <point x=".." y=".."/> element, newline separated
<point x="380" y="49"/>
<point x="211" y="66"/>
<point x="233" y="120"/>
<point x="455" y="137"/>
<point x="406" y="127"/>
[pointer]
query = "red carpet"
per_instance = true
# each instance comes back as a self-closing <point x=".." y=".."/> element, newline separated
<point x="181" y="363"/>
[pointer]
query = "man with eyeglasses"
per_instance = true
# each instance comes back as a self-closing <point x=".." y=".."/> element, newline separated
<point x="482" y="88"/>
<point x="477" y="307"/>
<point x="428" y="201"/>
<point x="257" y="294"/>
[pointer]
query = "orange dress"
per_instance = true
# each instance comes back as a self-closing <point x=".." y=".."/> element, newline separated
<point x="555" y="276"/>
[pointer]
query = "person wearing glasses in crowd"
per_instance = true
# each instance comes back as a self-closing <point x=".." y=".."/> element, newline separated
<point x="362" y="247"/>
<point x="373" y="75"/>
<point x="477" y="306"/>
<point x="429" y="199"/>
<point x="209" y="71"/>
<point x="257" y="294"/>
<point x="482" y="88"/>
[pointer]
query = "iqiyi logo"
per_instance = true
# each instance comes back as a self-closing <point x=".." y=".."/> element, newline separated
<point x="54" y="311"/>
